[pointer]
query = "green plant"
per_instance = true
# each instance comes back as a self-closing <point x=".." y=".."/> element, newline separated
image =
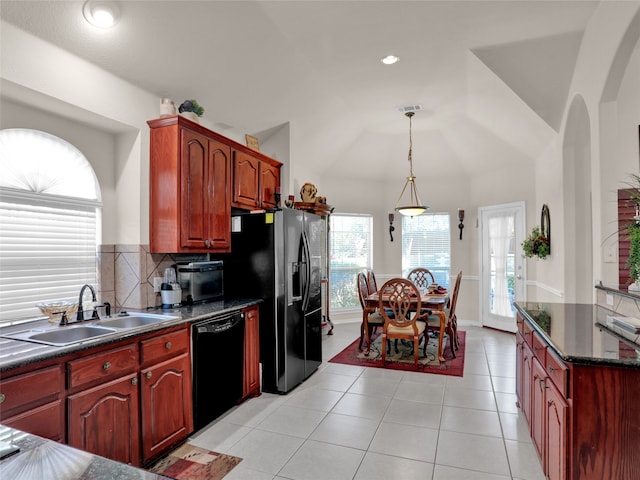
<point x="536" y="245"/>
<point x="191" y="106"/>
<point x="633" y="262"/>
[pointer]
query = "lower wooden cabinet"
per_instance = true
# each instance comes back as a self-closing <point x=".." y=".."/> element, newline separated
<point x="167" y="414"/>
<point x="105" y="420"/>
<point x="556" y="415"/>
<point x="33" y="402"/>
<point x="251" y="384"/>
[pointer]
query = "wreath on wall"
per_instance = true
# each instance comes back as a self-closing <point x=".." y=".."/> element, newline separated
<point x="538" y="243"/>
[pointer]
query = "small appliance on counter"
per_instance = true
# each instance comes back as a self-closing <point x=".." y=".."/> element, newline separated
<point x="200" y="281"/>
<point x="170" y="289"/>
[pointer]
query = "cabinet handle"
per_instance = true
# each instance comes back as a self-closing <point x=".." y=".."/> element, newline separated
<point x="2" y="397"/>
<point x="148" y="374"/>
<point x="551" y="369"/>
<point x="206" y="243"/>
<point x="168" y="345"/>
<point x="106" y="366"/>
<point x="134" y="381"/>
<point x="536" y="348"/>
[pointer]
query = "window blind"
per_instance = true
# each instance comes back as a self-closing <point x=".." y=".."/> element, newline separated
<point x="426" y="242"/>
<point x="351" y="250"/>
<point x="47" y="251"/>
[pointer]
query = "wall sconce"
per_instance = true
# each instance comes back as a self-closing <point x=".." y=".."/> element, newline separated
<point x="391" y="227"/>
<point x="460" y="219"/>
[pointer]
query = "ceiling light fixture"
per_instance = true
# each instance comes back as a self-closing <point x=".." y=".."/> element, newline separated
<point x="415" y="207"/>
<point x="390" y="60"/>
<point x="101" y="13"/>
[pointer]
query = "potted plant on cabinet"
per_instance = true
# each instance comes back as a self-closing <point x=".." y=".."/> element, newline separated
<point x="191" y="109"/>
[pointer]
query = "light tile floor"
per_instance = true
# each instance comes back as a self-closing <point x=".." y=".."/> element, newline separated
<point x="356" y="423"/>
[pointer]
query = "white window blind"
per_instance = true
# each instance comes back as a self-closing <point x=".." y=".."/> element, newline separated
<point x="47" y="251"/>
<point x="351" y="250"/>
<point x="49" y="224"/>
<point x="426" y="242"/>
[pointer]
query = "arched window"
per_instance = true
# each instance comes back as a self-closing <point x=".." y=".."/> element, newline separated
<point x="49" y="220"/>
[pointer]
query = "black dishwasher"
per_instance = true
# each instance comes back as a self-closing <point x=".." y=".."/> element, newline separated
<point x="218" y="359"/>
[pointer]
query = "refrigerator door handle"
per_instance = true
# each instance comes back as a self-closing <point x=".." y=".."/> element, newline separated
<point x="306" y="277"/>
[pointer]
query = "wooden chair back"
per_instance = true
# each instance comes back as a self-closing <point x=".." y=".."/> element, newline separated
<point x="421" y="277"/>
<point x="454" y="296"/>
<point x="363" y="288"/>
<point x="371" y="281"/>
<point x="397" y="305"/>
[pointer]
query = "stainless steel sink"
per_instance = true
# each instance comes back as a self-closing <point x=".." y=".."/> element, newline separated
<point x="62" y="336"/>
<point x="135" y="320"/>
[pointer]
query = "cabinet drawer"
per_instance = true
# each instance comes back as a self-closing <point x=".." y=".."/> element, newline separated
<point x="558" y="372"/>
<point x="23" y="392"/>
<point x="102" y="366"/>
<point x="539" y="348"/>
<point x="164" y="346"/>
<point x="45" y="421"/>
<point x="527" y="333"/>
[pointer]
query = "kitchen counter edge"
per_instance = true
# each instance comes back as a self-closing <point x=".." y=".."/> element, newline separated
<point x="27" y="353"/>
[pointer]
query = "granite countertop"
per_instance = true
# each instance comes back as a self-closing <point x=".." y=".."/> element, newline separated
<point x="18" y="353"/>
<point x="582" y="333"/>
<point x="40" y="458"/>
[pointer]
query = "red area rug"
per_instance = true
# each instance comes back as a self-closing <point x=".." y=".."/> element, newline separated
<point x="404" y="359"/>
<point x="194" y="463"/>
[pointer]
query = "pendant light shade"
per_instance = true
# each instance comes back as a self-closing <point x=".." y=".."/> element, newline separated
<point x="414" y="207"/>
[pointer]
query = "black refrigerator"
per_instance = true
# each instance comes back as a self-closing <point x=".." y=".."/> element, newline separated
<point x="277" y="256"/>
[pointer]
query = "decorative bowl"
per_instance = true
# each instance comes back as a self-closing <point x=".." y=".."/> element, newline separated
<point x="54" y="308"/>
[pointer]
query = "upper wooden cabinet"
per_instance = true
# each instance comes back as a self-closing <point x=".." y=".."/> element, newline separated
<point x="196" y="175"/>
<point x="189" y="186"/>
<point x="255" y="179"/>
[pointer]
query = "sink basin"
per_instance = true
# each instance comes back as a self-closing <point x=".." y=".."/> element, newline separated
<point x="61" y="337"/>
<point x="135" y="320"/>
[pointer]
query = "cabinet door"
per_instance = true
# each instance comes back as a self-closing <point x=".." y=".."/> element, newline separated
<point x="269" y="180"/>
<point x="46" y="421"/>
<point x="251" y="354"/>
<point x="527" y="357"/>
<point x="245" y="180"/>
<point x="538" y="398"/>
<point x="167" y="413"/>
<point x="195" y="197"/>
<point x="220" y="206"/>
<point x="556" y="441"/>
<point x="519" y="366"/>
<point x="105" y="420"/>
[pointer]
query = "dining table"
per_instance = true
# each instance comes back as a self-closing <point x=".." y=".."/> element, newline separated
<point x="435" y="302"/>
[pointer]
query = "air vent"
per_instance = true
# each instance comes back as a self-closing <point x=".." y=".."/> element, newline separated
<point x="409" y="108"/>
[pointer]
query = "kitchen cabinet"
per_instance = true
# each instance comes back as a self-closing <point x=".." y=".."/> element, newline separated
<point x="579" y="412"/>
<point x="189" y="186"/>
<point x="255" y="180"/>
<point x="105" y="420"/>
<point x="167" y="414"/>
<point x="251" y="384"/>
<point x="542" y="404"/>
<point x="104" y="407"/>
<point x="33" y="402"/>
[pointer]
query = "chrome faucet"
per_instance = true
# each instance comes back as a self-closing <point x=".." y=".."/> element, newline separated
<point x="80" y="314"/>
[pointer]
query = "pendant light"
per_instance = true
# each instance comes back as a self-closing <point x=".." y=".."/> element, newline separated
<point x="414" y="207"/>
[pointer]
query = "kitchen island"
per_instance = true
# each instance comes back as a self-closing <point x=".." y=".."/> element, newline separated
<point x="578" y="385"/>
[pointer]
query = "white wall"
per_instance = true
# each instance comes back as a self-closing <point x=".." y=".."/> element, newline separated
<point x="71" y="87"/>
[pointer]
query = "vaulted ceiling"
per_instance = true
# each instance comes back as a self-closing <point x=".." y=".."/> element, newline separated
<point x="491" y="76"/>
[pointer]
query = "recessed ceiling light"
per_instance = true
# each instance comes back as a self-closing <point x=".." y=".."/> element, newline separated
<point x="390" y="60"/>
<point x="101" y="13"/>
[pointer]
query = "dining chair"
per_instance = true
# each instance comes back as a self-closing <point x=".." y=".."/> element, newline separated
<point x="421" y="277"/>
<point x="374" y="319"/>
<point x="371" y="281"/>
<point x="401" y="298"/>
<point x="451" y="321"/>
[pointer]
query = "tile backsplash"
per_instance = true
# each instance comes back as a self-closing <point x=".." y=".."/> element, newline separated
<point x="126" y="273"/>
